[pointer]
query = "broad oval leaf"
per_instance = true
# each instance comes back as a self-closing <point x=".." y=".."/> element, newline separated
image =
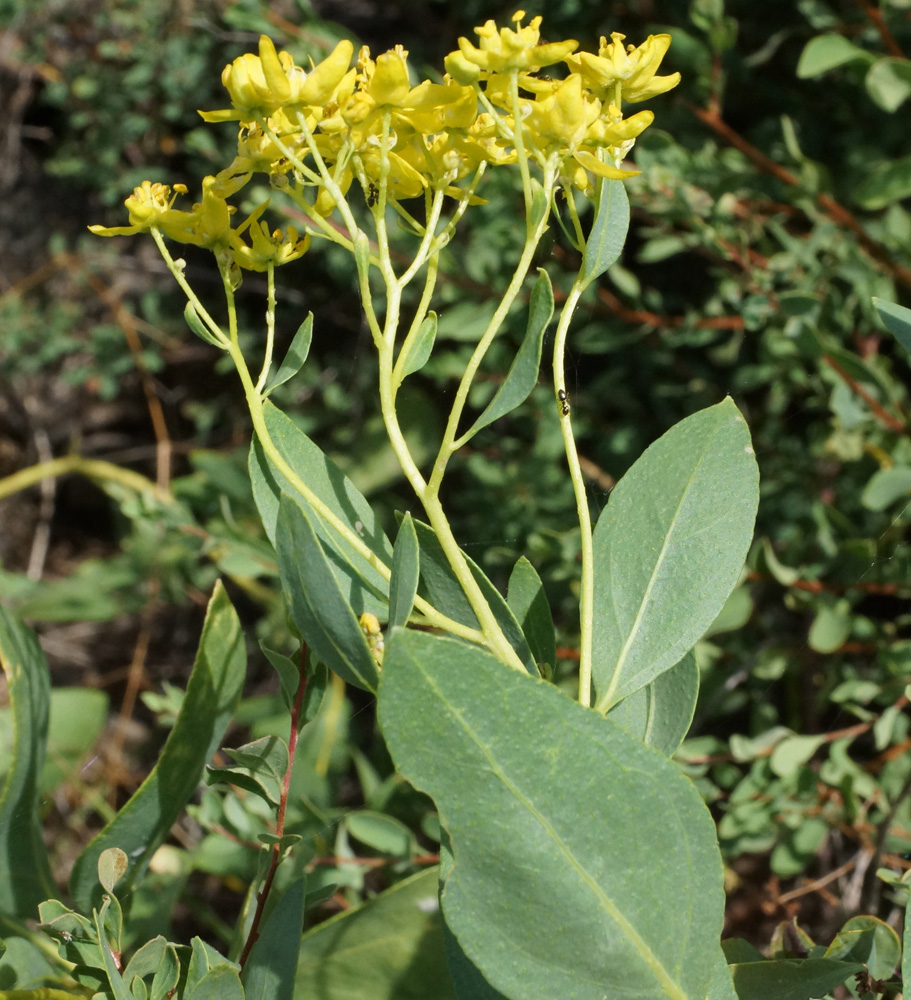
<point x="365" y="586"/>
<point x="523" y="372"/>
<point x="609" y="229"/>
<point x="25" y="874"/>
<point x="669" y="548"/>
<point x="586" y="865"/>
<point x="790" y="979"/>
<point x="660" y="713"/>
<point x="827" y="52"/>
<point x="888" y="82"/>
<point x="145" y="821"/>
<point x="321" y="611"/>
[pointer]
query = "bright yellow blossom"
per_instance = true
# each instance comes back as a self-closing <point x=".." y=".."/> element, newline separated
<point x="632" y="69"/>
<point x="506" y="50"/>
<point x="149" y="205"/>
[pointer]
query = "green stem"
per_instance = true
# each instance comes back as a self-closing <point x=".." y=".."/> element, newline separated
<point x="270" y="328"/>
<point x="587" y="583"/>
<point x="92" y="468"/>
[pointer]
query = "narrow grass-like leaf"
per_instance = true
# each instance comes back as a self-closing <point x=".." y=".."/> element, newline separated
<point x="660" y="713"/>
<point x="390" y="948"/>
<point x="523" y="372"/>
<point x="321" y="611"/>
<point x="897" y="319"/>
<point x="365" y="586"/>
<point x="669" y="548"/>
<point x="554" y="815"/>
<point x="25" y="875"/>
<point x="609" y="229"/>
<point x="406" y="571"/>
<point x="420" y="349"/>
<point x="443" y="590"/>
<point x="145" y="821"/>
<point x="296" y="356"/>
<point x="528" y="602"/>
<point x="269" y="972"/>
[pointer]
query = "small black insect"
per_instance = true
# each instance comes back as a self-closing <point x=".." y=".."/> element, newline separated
<point x="564" y="401"/>
<point x="373" y="195"/>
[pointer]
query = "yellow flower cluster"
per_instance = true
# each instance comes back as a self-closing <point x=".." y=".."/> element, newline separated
<point x="316" y="131"/>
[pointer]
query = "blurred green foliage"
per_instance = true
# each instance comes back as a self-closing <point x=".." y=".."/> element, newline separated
<point x="771" y="208"/>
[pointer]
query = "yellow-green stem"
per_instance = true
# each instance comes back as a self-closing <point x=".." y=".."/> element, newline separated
<point x="587" y="582"/>
<point x="92" y="468"/>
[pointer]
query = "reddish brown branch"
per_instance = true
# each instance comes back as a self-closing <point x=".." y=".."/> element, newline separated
<point x="883" y="415"/>
<point x="876" y="16"/>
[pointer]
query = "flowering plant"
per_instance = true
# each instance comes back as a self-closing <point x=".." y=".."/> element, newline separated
<point x="576" y="859"/>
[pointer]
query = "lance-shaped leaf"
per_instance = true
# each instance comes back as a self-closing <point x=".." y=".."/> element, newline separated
<point x="196" y="324"/>
<point x="145" y="821"/>
<point x="791" y="979"/>
<point x="669" y="548"/>
<point x="442" y="588"/>
<point x="585" y="864"/>
<point x="269" y="972"/>
<point x="321" y="611"/>
<point x="523" y="372"/>
<point x="897" y="319"/>
<point x="406" y="571"/>
<point x="528" y="602"/>
<point x="660" y="713"/>
<point x="296" y="356"/>
<point x="25" y="874"/>
<point x="365" y="587"/>
<point x="609" y="229"/>
<point x="418" y="351"/>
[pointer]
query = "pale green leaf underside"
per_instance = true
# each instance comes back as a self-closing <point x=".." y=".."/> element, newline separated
<point x="669" y="548"/>
<point x="554" y="816"/>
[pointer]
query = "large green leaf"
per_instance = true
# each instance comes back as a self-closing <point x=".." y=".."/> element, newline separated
<point x="523" y="372"/>
<point x="586" y="864"/>
<point x="390" y="948"/>
<point x="365" y="586"/>
<point x="320" y="609"/>
<point x="660" y="713"/>
<point x="145" y="821"/>
<point x="25" y="875"/>
<point x="669" y="548"/>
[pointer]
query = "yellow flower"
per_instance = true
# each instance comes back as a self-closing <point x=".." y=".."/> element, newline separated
<point x="506" y="50"/>
<point x="430" y="108"/>
<point x="267" y="248"/>
<point x="149" y="205"/>
<point x="632" y="69"/>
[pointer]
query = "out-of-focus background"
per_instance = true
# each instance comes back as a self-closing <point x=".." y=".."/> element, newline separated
<point x="772" y="206"/>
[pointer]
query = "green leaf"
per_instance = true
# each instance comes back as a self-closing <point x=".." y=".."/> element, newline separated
<point x="790" y="979"/>
<point x="365" y="586"/>
<point x="660" y="713"/>
<point x="467" y="980"/>
<point x="288" y="673"/>
<point x="269" y="972"/>
<point x="390" y="948"/>
<point x="213" y="691"/>
<point x="608" y="235"/>
<point x="112" y="866"/>
<point x="722" y="985"/>
<point x="259" y="767"/>
<point x="406" y="571"/>
<point x="321" y="611"/>
<point x="445" y="593"/>
<point x="886" y="486"/>
<point x="119" y="989"/>
<point x="554" y="815"/>
<point x="220" y="983"/>
<point x="897" y="319"/>
<point x="25" y="874"/>
<point x="195" y="323"/>
<point x="296" y="356"/>
<point x="888" y="82"/>
<point x="906" y="951"/>
<point x="884" y="183"/>
<point x="669" y="548"/>
<point x="420" y="349"/>
<point x="539" y="204"/>
<point x="380" y="832"/>
<point x="527" y="600"/>
<point x="827" y="52"/>
<point x="869" y="940"/>
<point x="831" y="628"/>
<point x="792" y="753"/>
<point x="523" y="372"/>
